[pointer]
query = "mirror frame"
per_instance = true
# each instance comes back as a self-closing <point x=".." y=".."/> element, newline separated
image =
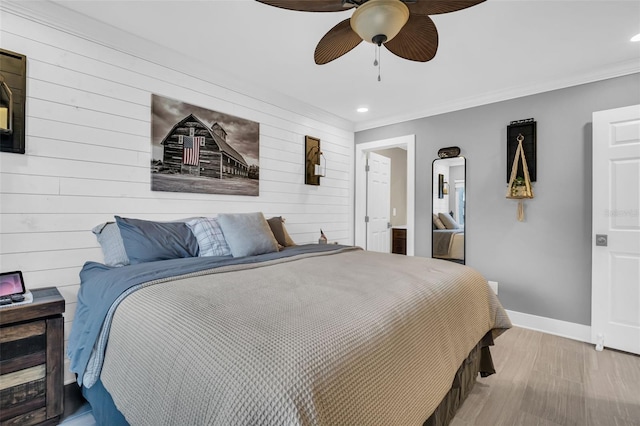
<point x="438" y="193"/>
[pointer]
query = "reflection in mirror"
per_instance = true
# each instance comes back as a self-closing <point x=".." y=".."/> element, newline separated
<point x="447" y="238"/>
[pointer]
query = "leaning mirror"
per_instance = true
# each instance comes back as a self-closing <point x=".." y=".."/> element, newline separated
<point x="448" y="219"/>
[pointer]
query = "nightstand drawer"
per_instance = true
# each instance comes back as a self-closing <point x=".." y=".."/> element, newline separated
<point x="21" y="346"/>
<point x="31" y="360"/>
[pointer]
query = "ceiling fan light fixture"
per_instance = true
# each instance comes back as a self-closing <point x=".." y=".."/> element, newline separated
<point x="379" y="21"/>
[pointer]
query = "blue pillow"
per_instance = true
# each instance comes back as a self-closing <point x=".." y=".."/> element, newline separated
<point x="146" y="241"/>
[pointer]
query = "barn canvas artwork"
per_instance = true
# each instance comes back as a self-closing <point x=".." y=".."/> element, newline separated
<point x="194" y="149"/>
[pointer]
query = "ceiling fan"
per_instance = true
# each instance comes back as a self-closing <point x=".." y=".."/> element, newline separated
<point x="402" y="26"/>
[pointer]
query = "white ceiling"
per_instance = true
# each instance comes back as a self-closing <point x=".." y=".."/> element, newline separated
<point x="497" y="50"/>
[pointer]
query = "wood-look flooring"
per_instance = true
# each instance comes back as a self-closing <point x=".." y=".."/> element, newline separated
<point x="545" y="380"/>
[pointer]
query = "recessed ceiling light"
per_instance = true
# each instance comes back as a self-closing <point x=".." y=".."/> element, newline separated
<point x="362" y="109"/>
<point x="635" y="37"/>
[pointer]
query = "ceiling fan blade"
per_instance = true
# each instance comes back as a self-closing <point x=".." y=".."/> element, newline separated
<point x="416" y="41"/>
<point x="434" y="7"/>
<point x="309" y="5"/>
<point x="338" y="41"/>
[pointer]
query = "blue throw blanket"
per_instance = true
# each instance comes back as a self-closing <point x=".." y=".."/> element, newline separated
<point x="101" y="286"/>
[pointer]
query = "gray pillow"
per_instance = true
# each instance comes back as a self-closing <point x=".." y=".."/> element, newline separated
<point x="247" y="234"/>
<point x="448" y="221"/>
<point x="108" y="235"/>
<point x="147" y="241"/>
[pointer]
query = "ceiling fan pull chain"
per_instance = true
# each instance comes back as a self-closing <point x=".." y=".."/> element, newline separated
<point x="375" y="54"/>
<point x="379" y="61"/>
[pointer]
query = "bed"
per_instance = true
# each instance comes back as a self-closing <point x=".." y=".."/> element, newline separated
<point x="448" y="243"/>
<point x="447" y="237"/>
<point x="303" y="335"/>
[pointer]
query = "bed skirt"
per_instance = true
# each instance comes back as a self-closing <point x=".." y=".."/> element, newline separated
<point x="478" y="361"/>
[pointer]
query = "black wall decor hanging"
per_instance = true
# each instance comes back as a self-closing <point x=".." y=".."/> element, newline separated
<point x="440" y="185"/>
<point x="526" y="128"/>
<point x="13" y="83"/>
<point x="449" y="152"/>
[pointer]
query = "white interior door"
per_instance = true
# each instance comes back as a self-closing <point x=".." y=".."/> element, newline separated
<point x="615" y="301"/>
<point x="378" y="203"/>
<point x="407" y="142"/>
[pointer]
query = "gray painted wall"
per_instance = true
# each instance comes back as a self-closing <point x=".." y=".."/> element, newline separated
<point x="543" y="265"/>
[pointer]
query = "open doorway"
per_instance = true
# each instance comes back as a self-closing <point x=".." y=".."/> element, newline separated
<point x="407" y="143"/>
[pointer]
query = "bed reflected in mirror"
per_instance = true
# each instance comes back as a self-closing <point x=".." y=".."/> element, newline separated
<point x="448" y="218"/>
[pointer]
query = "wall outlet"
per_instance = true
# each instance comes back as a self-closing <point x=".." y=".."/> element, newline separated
<point x="494" y="286"/>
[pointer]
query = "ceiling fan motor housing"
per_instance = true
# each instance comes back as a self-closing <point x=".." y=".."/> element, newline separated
<point x="379" y="21"/>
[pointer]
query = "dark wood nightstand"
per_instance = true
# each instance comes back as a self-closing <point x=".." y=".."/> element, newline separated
<point x="399" y="240"/>
<point x="31" y="360"/>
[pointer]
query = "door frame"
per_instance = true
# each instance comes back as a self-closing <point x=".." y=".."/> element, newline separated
<point x="407" y="142"/>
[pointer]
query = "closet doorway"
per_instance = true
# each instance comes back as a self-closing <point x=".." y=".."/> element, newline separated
<point x="406" y="143"/>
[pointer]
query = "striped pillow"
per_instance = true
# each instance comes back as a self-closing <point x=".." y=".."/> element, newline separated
<point x="210" y="237"/>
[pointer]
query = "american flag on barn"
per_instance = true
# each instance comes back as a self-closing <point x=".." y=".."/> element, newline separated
<point x="191" y="149"/>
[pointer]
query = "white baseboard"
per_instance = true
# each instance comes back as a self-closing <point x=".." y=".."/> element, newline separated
<point x="556" y="327"/>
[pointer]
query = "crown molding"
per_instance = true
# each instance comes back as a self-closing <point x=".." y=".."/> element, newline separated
<point x="610" y="71"/>
<point x="63" y="19"/>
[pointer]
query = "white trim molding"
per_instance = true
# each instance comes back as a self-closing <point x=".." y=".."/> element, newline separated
<point x="608" y="71"/>
<point x="556" y="327"/>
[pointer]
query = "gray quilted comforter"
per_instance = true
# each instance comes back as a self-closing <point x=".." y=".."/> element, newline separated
<point x="339" y="338"/>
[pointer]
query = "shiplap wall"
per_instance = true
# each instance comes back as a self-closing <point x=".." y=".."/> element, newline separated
<point x="88" y="152"/>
